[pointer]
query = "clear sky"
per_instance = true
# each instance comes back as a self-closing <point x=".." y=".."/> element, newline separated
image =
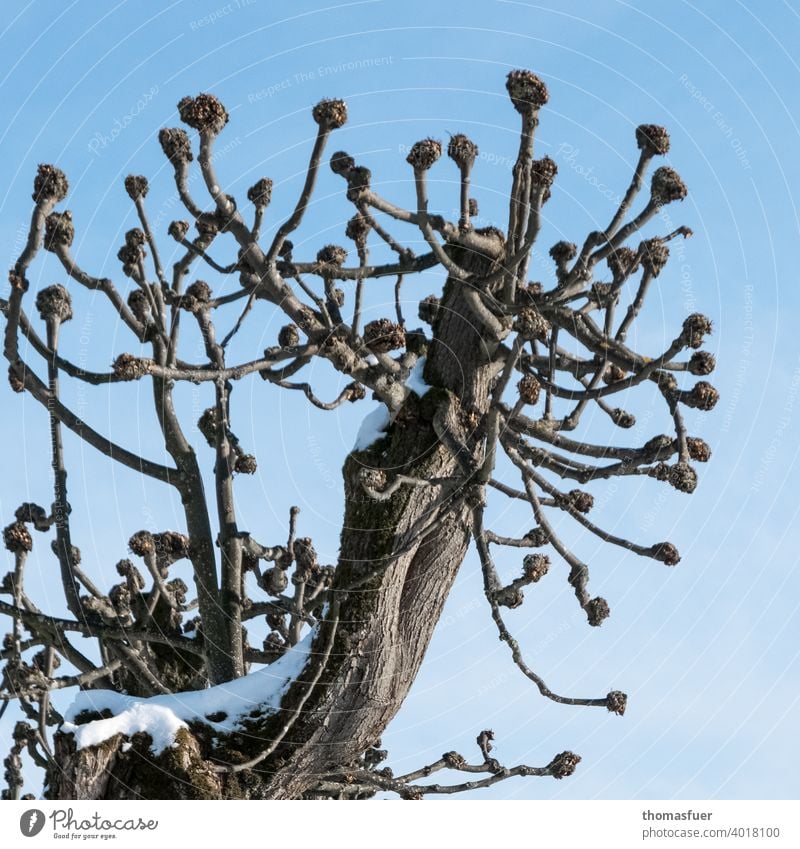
<point x="708" y="651"/>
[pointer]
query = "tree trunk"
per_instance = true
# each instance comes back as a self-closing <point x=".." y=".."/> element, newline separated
<point x="391" y="583"/>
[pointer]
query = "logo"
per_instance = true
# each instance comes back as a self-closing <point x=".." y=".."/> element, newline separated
<point x="31" y="822"/>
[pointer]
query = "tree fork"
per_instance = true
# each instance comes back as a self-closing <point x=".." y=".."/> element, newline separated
<point x="392" y="581"/>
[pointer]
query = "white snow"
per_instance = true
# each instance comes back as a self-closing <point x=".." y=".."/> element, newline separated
<point x="372" y="427"/>
<point x="376" y="421"/>
<point x="163" y="716"/>
<point x="415" y="381"/>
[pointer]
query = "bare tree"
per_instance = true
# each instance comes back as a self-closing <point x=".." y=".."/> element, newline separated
<point x="509" y="368"/>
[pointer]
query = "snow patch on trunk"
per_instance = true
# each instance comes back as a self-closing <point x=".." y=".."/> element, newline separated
<point x="163" y="716"/>
<point x="375" y="422"/>
<point x="416" y="383"/>
<point x="372" y="428"/>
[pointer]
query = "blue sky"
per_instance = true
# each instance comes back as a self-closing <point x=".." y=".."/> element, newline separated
<point x="708" y="651"/>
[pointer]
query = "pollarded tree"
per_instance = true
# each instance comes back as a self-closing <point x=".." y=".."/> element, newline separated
<point x="505" y="368"/>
